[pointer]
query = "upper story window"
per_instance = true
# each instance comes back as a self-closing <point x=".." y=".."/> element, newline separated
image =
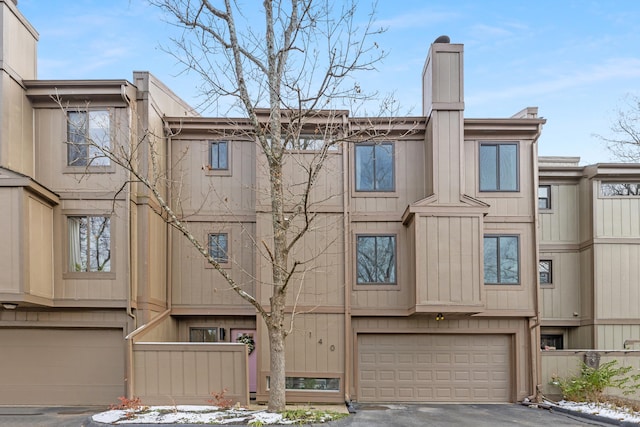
<point x="376" y="259"/>
<point x="544" y="197"/>
<point x="499" y="167"/>
<point x="88" y="136"/>
<point x="612" y="189"/>
<point x="219" y="155"/>
<point x="501" y="260"/>
<point x="89" y="243"/>
<point x="374" y="167"/>
<point x="544" y="271"/>
<point x="219" y="247"/>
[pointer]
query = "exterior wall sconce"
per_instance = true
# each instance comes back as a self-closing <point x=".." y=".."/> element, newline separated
<point x="439" y="316"/>
<point x="9" y="305"/>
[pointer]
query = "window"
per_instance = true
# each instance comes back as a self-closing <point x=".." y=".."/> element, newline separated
<point x="219" y="247"/>
<point x="499" y="167"/>
<point x="88" y="134"/>
<point x="375" y="167"/>
<point x="544" y="270"/>
<point x="376" y="259"/>
<point x="310" y="383"/>
<point x="501" y="260"/>
<point x="620" y="189"/>
<point x="544" y="197"/>
<point x="551" y="342"/>
<point x="89" y="243"/>
<point x="203" y="334"/>
<point x="219" y="155"/>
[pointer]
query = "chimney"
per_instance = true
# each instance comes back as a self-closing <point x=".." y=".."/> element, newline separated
<point x="443" y="103"/>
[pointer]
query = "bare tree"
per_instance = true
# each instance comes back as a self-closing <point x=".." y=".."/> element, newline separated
<point x="625" y="145"/>
<point x="282" y="74"/>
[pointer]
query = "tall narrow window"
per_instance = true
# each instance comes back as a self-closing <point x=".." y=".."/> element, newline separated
<point x="544" y="197"/>
<point x="218" y="247"/>
<point x="501" y="260"/>
<point x="376" y="259"/>
<point x="88" y="138"/>
<point x="544" y="271"/>
<point x="219" y="155"/>
<point x="89" y="243"/>
<point x="499" y="167"/>
<point x="374" y="167"/>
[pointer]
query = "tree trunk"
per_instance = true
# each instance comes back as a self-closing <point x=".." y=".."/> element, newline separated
<point x="277" y="396"/>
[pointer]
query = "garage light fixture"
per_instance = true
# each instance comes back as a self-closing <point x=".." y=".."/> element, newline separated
<point x="9" y="305"/>
<point x="439" y="316"/>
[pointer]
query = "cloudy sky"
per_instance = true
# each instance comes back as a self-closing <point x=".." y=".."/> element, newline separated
<point x="577" y="60"/>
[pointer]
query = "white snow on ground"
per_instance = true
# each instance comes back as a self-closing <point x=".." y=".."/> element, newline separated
<point x="183" y="414"/>
<point x="601" y="409"/>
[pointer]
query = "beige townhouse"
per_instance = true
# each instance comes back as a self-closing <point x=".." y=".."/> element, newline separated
<point x="421" y="277"/>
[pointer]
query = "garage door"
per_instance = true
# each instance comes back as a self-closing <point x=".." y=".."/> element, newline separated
<point x="61" y="366"/>
<point x="434" y="368"/>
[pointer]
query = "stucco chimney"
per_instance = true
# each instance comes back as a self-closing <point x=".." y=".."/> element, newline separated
<point x="443" y="103"/>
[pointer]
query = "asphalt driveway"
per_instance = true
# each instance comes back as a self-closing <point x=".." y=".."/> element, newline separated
<point x="414" y="415"/>
<point x="475" y="415"/>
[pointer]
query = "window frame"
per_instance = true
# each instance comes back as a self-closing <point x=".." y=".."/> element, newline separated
<point x="550" y="282"/>
<point x="90" y="167"/>
<point x="549" y="203"/>
<point x="68" y="273"/>
<point x="324" y="377"/>
<point x="498" y="236"/>
<point x="208" y="168"/>
<point x="373" y="192"/>
<point x="377" y="285"/>
<point x="227" y="262"/>
<point x="498" y="145"/>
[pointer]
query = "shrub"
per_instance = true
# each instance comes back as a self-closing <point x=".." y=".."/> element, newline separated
<point x="590" y="383"/>
<point x="219" y="400"/>
<point x="130" y="406"/>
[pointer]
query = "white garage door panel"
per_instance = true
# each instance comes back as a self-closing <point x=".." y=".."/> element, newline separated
<point x="436" y="367"/>
<point x="61" y="366"/>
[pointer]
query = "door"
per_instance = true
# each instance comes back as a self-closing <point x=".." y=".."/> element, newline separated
<point x="253" y="355"/>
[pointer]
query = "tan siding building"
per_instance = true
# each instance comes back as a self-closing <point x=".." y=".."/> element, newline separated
<point x="421" y="278"/>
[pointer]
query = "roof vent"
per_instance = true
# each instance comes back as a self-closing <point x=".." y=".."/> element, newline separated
<point x="443" y="39"/>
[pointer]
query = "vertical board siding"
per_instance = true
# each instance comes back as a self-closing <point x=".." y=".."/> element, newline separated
<point x="563" y="297"/>
<point x="617" y="216"/>
<point x="11" y="254"/>
<point x="562" y="223"/>
<point x="196" y="283"/>
<point x="617" y="269"/>
<point x="40" y="248"/>
<point x="175" y="373"/>
<point x="449" y="269"/>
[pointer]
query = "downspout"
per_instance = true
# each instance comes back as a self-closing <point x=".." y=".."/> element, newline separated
<point x="129" y="344"/>
<point x="169" y="251"/>
<point x="534" y="323"/>
<point x="346" y="224"/>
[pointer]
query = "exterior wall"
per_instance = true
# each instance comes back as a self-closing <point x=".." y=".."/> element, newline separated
<point x="11" y="258"/>
<point x="39" y="265"/>
<point x="562" y="298"/>
<point x="17" y="61"/>
<point x="561" y="223"/>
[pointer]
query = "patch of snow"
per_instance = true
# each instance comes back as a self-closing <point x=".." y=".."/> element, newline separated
<point x="601" y="409"/>
<point x="186" y="414"/>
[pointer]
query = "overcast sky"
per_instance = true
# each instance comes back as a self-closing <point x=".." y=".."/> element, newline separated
<point x="576" y="60"/>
